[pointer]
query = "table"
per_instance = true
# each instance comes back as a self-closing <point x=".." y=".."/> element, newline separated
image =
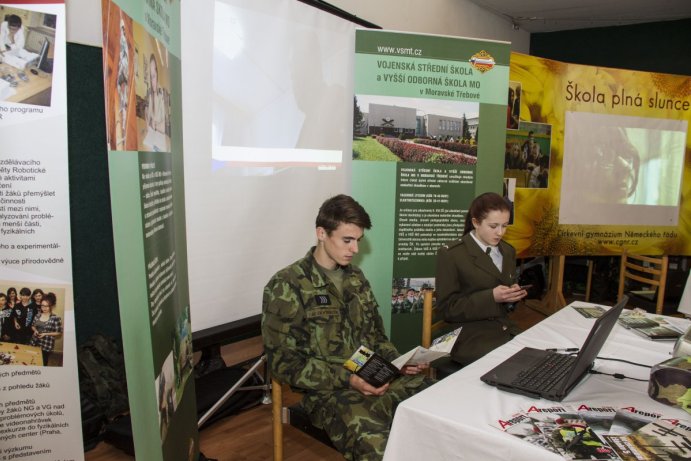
<point x="34" y="91"/>
<point x="23" y="354"/>
<point x="452" y="419"/>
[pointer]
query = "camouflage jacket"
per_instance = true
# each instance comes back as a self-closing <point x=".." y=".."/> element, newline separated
<point x="310" y="329"/>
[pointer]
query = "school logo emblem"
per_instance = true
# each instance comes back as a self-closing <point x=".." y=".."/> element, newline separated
<point x="482" y="61"/>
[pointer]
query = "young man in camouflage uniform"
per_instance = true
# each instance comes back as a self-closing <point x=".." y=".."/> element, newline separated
<point x="316" y="313"/>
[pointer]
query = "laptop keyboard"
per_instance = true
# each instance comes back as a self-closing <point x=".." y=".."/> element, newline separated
<point x="546" y="373"/>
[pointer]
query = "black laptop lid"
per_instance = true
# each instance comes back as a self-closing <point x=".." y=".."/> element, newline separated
<point x="594" y="342"/>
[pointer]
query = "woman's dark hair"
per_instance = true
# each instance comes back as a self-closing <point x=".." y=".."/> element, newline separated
<point x="50" y="298"/>
<point x="3" y="295"/>
<point x="35" y="292"/>
<point x="11" y="290"/>
<point x="342" y="209"/>
<point x="481" y="206"/>
<point x="14" y="21"/>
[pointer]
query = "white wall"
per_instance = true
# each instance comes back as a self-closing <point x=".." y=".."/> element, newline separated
<point x="84" y="22"/>
<point x="460" y="18"/>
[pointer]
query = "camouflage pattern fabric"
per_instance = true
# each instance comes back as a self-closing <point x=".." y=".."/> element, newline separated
<point x="310" y="329"/>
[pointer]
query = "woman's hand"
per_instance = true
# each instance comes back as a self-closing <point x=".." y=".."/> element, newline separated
<point x="512" y="294"/>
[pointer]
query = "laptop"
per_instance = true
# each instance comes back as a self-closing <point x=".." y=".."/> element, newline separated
<point x="515" y="374"/>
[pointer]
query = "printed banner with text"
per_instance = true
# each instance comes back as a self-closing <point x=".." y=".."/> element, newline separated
<point x="429" y="123"/>
<point x="40" y="415"/>
<point x="600" y="158"/>
<point x="142" y="73"/>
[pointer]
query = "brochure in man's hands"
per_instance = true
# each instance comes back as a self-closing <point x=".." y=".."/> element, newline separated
<point x="378" y="371"/>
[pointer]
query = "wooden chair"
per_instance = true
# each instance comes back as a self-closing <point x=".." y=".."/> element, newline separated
<point x="293" y="415"/>
<point x="431" y="325"/>
<point x="650" y="273"/>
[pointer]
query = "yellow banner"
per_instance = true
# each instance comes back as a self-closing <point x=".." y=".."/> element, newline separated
<point x="599" y="159"/>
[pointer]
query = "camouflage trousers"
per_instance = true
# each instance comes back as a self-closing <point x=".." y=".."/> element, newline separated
<point x="357" y="424"/>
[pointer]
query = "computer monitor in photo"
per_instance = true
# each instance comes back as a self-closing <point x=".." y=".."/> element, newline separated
<point x="44" y="62"/>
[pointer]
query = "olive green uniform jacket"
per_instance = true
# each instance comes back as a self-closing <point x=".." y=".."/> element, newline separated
<point x="465" y="278"/>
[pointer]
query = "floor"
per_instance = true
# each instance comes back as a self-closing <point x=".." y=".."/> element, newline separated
<point x="248" y="436"/>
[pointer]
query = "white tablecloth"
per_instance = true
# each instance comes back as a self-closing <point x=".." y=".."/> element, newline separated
<point x="452" y="419"/>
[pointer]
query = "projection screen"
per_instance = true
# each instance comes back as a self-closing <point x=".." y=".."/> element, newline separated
<point x="265" y="143"/>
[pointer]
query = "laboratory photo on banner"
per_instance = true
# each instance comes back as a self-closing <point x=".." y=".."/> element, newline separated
<point x="31" y="324"/>
<point x="398" y="129"/>
<point x="152" y="90"/>
<point x="119" y="62"/>
<point x="27" y="41"/>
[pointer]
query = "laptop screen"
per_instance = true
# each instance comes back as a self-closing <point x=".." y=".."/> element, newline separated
<point x="595" y="340"/>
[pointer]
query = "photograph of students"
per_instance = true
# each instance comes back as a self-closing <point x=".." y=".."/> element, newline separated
<point x="46" y="327"/>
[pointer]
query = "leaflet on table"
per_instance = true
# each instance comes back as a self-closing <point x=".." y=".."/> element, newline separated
<point x="657" y="440"/>
<point x="589" y="311"/>
<point x="440" y="347"/>
<point x="659" y="333"/>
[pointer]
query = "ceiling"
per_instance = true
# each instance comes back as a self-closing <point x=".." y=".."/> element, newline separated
<point x="554" y="15"/>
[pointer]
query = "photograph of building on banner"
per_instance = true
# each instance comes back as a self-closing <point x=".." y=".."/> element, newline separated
<point x="27" y="41"/>
<point x="31" y="324"/>
<point x="398" y="129"/>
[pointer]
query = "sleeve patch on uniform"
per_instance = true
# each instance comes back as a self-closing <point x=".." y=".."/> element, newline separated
<point x="322" y="300"/>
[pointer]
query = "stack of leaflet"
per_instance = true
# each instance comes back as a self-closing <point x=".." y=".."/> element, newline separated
<point x="601" y="431"/>
<point x="19" y="58"/>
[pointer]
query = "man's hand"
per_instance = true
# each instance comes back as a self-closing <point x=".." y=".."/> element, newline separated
<point x="414" y="369"/>
<point x="366" y="388"/>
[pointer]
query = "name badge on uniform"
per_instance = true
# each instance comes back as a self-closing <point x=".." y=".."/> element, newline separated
<point x="322" y="300"/>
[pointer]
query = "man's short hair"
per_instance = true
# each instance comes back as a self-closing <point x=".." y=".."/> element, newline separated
<point x="25" y="292"/>
<point x="342" y="209"/>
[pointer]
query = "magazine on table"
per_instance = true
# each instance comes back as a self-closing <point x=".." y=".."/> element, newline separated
<point x="630" y="419"/>
<point x="599" y="416"/>
<point x="522" y="426"/>
<point x="569" y="434"/>
<point x="657" y="440"/>
<point x="597" y="430"/>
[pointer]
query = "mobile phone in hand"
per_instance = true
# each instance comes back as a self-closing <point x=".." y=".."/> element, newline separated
<point x="525" y="287"/>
